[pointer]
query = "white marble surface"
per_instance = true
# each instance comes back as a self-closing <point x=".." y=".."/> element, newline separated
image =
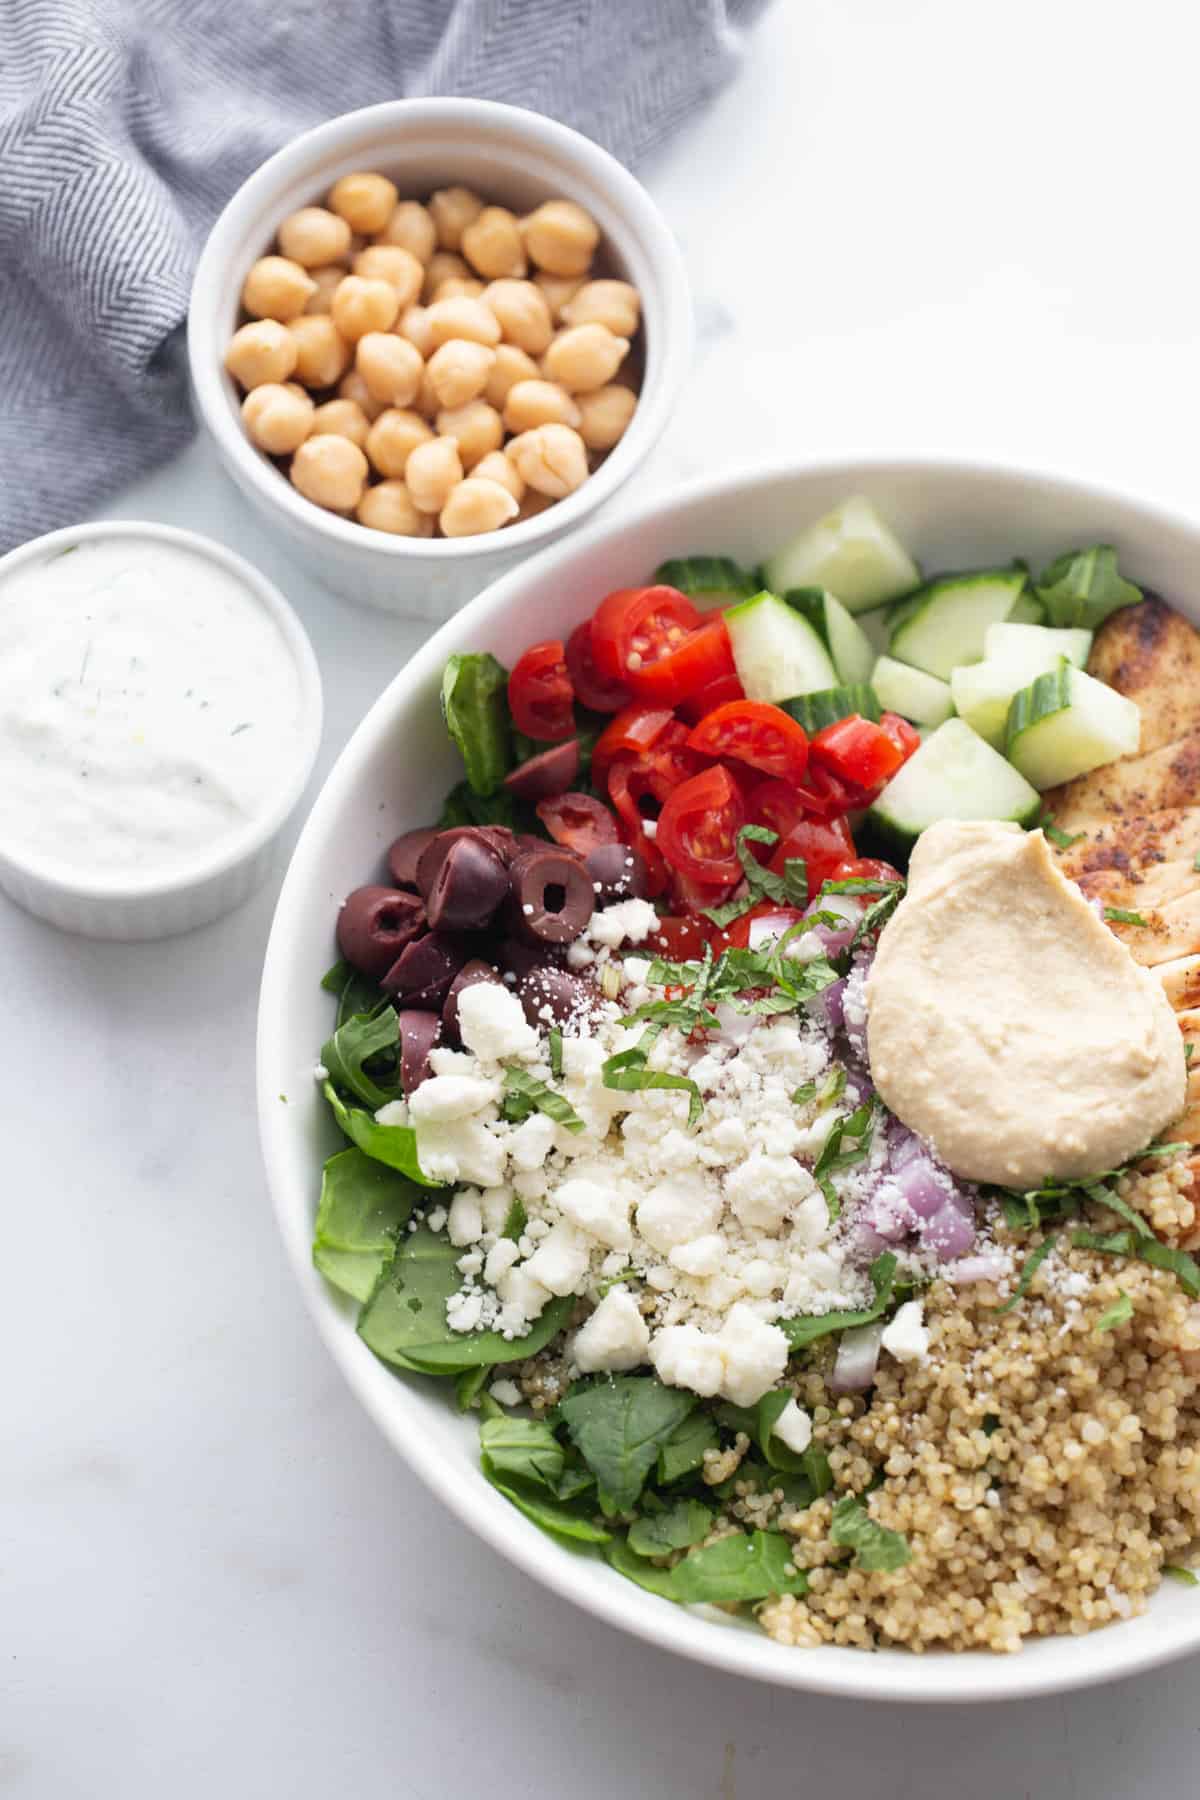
<point x="920" y="225"/>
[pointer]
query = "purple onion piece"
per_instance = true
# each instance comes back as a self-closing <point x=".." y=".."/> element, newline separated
<point x="834" y="939"/>
<point x="924" y="1187"/>
<point x="948" y="1233"/>
<point x="833" y="1001"/>
<point x="989" y="1265"/>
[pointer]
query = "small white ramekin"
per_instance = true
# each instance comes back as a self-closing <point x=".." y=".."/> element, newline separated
<point x="512" y="156"/>
<point x="111" y="906"/>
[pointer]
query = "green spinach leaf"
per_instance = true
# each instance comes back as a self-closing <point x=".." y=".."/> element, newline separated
<point x="681" y="1526"/>
<point x="683" y="1452"/>
<point x="619" y="1428"/>
<point x="647" y="1575"/>
<point x="362" y="1207"/>
<point x="808" y="1327"/>
<point x="1084" y="586"/>
<point x="751" y="1566"/>
<point x="524" y="1447"/>
<point x="475" y="708"/>
<point x="560" y="1518"/>
<point x="395" y="1145"/>
<point x="875" y="1546"/>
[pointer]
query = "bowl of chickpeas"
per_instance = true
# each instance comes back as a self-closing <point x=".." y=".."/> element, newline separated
<point x="431" y="336"/>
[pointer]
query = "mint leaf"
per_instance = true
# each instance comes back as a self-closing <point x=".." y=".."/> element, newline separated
<point x="876" y="1548"/>
<point x="619" y="1428"/>
<point x="1128" y="1243"/>
<point x="1033" y="1263"/>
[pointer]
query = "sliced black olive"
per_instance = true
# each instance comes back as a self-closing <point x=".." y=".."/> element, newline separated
<point x="497" y="837"/>
<point x="553" y="996"/>
<point x="375" y="925"/>
<point x="468" y="887"/>
<point x="549" y="772"/>
<point x="419" y="1032"/>
<point x="617" y="873"/>
<point x="468" y="976"/>
<point x="405" y="853"/>
<point x="518" y="958"/>
<point x="552" y="897"/>
<point x="421" y="975"/>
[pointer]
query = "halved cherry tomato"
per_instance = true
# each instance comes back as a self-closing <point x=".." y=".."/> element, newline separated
<point x="592" y="689"/>
<point x="693" y="707"/>
<point x="700" y="658"/>
<point x="634" y="729"/>
<point x="540" y="694"/>
<point x="692" y="897"/>
<point x="906" y="737"/>
<point x="775" y="805"/>
<point x="865" y="868"/>
<point x="756" y="733"/>
<point x="699" y="825"/>
<point x="578" y="821"/>
<point x="632" y="627"/>
<point x="653" y="775"/>
<point x="825" y="844"/>
<point x="678" y="939"/>
<point x="854" y="749"/>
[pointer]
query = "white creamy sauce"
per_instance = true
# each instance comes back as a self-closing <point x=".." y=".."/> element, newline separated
<point x="150" y="708"/>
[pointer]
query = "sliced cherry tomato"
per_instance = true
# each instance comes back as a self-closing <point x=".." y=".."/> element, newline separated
<point x="678" y="939"/>
<point x="825" y="844"/>
<point x="775" y="805"/>
<point x="692" y="897"/>
<point x="592" y="689"/>
<point x="578" y="821"/>
<point x="702" y="657"/>
<point x="634" y="729"/>
<point x="854" y="749"/>
<point x="693" y="707"/>
<point x="540" y="694"/>
<point x="906" y="737"/>
<point x="699" y="825"/>
<point x="865" y="868"/>
<point x="756" y="733"/>
<point x="633" y="627"/>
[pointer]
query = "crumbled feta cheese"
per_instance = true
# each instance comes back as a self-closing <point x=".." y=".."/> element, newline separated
<point x="636" y="969"/>
<point x="678" y="1209"/>
<point x="629" y="922"/>
<point x="463" y="1311"/>
<point x="524" y="1298"/>
<point x="394" y="1113"/>
<point x="531" y="1142"/>
<point x="451" y="1062"/>
<point x="505" y="1393"/>
<point x="793" y="1427"/>
<point x="579" y="955"/>
<point x="615" y="1337"/>
<point x="465" y="1223"/>
<point x="599" y="1209"/>
<point x="684" y="1356"/>
<point x="760" y="1277"/>
<point x="702" y="1256"/>
<point x="560" y="1261"/>
<point x="754" y="1355"/>
<point x="436" y="1220"/>
<point x="451" y="1097"/>
<point x="459" y="1150"/>
<point x="906" y="1336"/>
<point x="495" y="1203"/>
<point x="492" y="1023"/>
<point x="764" y="1189"/>
<point x="502" y="1256"/>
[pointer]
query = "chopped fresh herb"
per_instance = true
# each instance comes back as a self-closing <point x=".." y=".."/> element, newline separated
<point x="525" y="1094"/>
<point x="1196" y="862"/>
<point x="990" y="1424"/>
<point x="1033" y="1263"/>
<point x="1083" y="587"/>
<point x="515" y="1220"/>
<point x="788" y="889"/>
<point x="875" y="916"/>
<point x="1103" y="1195"/>
<point x="1119" y="1313"/>
<point x="555" y="1038"/>
<point x="806" y="1328"/>
<point x="1062" y="840"/>
<point x="1188" y="1052"/>
<point x="1186" y="1577"/>
<point x="1128" y="1243"/>
<point x="875" y="1546"/>
<point x="1121" y="915"/>
<point x="859" y="1126"/>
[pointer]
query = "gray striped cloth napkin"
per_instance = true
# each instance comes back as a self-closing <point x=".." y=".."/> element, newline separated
<point x="125" y="125"/>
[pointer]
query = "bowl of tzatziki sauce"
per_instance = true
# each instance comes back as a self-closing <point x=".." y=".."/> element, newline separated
<point x="160" y="714"/>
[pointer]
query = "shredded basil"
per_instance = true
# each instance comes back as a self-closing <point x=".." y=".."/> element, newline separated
<point x="1121" y="915"/>
<point x="806" y="1328"/>
<point x="525" y="1093"/>
<point x="788" y="889"/>
<point x="1186" y="1577"/>
<point x="556" y="1052"/>
<point x="1128" y="1243"/>
<point x="1119" y="1313"/>
<point x="1033" y="1263"/>
<point x="1062" y="840"/>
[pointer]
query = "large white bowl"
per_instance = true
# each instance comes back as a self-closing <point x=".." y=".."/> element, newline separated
<point x="393" y="774"/>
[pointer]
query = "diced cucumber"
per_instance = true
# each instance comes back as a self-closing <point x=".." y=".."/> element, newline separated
<point x="944" y="624"/>
<point x="1029" y="610"/>
<point x="776" y="652"/>
<point x="708" y="580"/>
<point x="1067" y="723"/>
<point x="873" y="623"/>
<point x="1013" y="640"/>
<point x="816" y="711"/>
<point x="981" y="693"/>
<point x="911" y="692"/>
<point x="852" y="553"/>
<point x="845" y="640"/>
<point x="954" y="775"/>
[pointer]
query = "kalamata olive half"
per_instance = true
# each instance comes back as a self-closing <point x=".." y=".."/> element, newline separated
<point x="552" y="771"/>
<point x="467" y="889"/>
<point x="468" y="976"/>
<point x="553" y="996"/>
<point x="518" y="958"/>
<point x="419" y="1032"/>
<point x="498" y="837"/>
<point x="552" y="897"/>
<point x="405" y="853"/>
<point x="421" y="975"/>
<point x="617" y="872"/>
<point x="375" y="925"/>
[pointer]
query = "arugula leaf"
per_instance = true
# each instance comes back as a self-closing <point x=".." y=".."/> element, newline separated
<point x="806" y="1328"/>
<point x="525" y="1094"/>
<point x="681" y="1526"/>
<point x="619" y="1428"/>
<point x="395" y="1145"/>
<point x="683" y="1451"/>
<point x="359" y="1041"/>
<point x="1083" y="587"/>
<point x="1121" y="915"/>
<point x="475" y="708"/>
<point x="648" y="1575"/>
<point x="753" y="1566"/>
<point x="875" y="1546"/>
<point x="1061" y="839"/>
<point x="1033" y="1263"/>
<point x="362" y="1207"/>
<point x="355" y="992"/>
<point x="1187" y="1577"/>
<point x="404" y="1321"/>
<point x="1128" y="1243"/>
<point x="1119" y="1313"/>
<point x="528" y="1448"/>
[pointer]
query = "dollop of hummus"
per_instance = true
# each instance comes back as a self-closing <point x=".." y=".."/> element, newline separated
<point x="1005" y="1022"/>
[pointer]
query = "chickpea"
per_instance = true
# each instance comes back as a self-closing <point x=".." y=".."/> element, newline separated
<point x="458" y="371"/>
<point x="427" y="402"/>
<point x="388" y="506"/>
<point x="458" y="288"/>
<point x="400" y="268"/>
<point x="327" y="280"/>
<point x="322" y="353"/>
<point x="341" y="418"/>
<point x="313" y="236"/>
<point x="360" y="306"/>
<point x="533" y="403"/>
<point x="393" y="438"/>
<point x="561" y="237"/>
<point x="365" y="201"/>
<point x="463" y="318"/>
<point x="511" y="365"/>
<point x="604" y="415"/>
<point x="331" y="472"/>
<point x="476" y="505"/>
<point x="410" y="228"/>
<point x="523" y="314"/>
<point x="277" y="288"/>
<point x="452" y="209"/>
<point x="557" y="290"/>
<point x="495" y="466"/>
<point x="390" y="366"/>
<point x="492" y="244"/>
<point x="615" y="304"/>
<point x="277" y="418"/>
<point x="353" y="387"/>
<point x="551" y="458"/>
<point x="443" y="266"/>
<point x="432" y="470"/>
<point x="413" y="324"/>
<point x="264" y="351"/>
<point x="584" y="357"/>
<point x="476" y="428"/>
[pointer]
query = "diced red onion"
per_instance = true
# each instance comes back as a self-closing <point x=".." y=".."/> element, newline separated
<point x="887" y="1213"/>
<point x="990" y="1265"/>
<point x="923" y="1185"/>
<point x="832" y="1000"/>
<point x="949" y="1233"/>
<point x="834" y="939"/>
<point x="857" y="1359"/>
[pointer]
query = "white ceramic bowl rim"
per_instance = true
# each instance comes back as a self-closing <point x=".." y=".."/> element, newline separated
<point x="668" y="354"/>
<point x="240" y="846"/>
<point x="1051" y="1665"/>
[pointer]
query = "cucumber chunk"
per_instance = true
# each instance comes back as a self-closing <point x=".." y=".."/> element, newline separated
<point x="776" y="651"/>
<point x="944" y="624"/>
<point x="954" y="775"/>
<point x="852" y="553"/>
<point x="1013" y="640"/>
<point x="911" y="692"/>
<point x="981" y="693"/>
<point x="845" y="640"/>
<point x="816" y="711"/>
<point x="1029" y="610"/>
<point x="1067" y="723"/>
<point x="708" y="580"/>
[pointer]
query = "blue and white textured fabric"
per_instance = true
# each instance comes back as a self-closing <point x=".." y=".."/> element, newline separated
<point x="125" y="125"/>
